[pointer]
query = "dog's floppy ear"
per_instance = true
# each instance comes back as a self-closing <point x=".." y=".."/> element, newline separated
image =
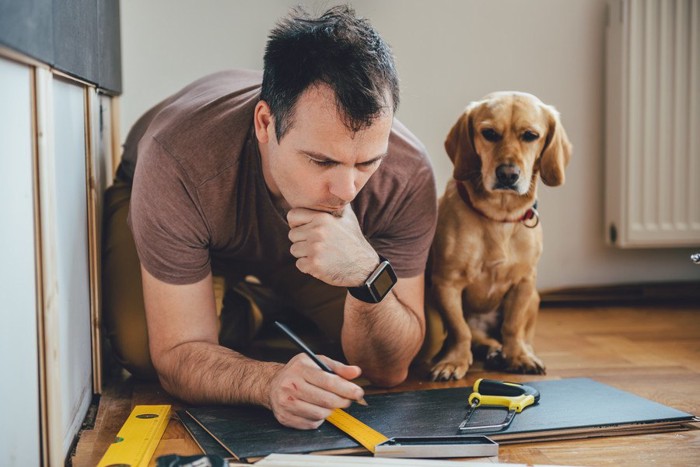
<point x="556" y="152"/>
<point x="459" y="145"/>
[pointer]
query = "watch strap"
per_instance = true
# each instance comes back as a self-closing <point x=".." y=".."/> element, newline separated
<point x="368" y="292"/>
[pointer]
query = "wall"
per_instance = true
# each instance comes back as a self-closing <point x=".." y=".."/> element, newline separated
<point x="449" y="52"/>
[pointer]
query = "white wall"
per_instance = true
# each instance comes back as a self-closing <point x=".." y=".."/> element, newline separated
<point x="448" y="53"/>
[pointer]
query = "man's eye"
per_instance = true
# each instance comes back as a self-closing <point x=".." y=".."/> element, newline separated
<point x="530" y="136"/>
<point x="490" y="135"/>
<point x="321" y="163"/>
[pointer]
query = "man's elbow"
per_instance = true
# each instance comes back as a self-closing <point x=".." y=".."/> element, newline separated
<point x="169" y="387"/>
<point x="168" y="378"/>
<point x="177" y="389"/>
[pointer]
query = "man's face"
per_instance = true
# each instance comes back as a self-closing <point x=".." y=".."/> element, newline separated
<point x="319" y="164"/>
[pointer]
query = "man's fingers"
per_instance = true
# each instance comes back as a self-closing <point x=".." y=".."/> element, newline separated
<point x="321" y="397"/>
<point x="338" y="383"/>
<point x="304" y="265"/>
<point x="348" y="372"/>
<point x="308" y="410"/>
<point x="301" y="216"/>
<point x="298" y="234"/>
<point x="299" y="250"/>
<point x="295" y="421"/>
<point x="334" y="385"/>
<point x="305" y="395"/>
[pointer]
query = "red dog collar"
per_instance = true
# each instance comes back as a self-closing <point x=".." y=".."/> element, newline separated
<point x="525" y="219"/>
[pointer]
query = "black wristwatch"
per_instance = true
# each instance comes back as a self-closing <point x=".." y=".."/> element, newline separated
<point x="377" y="285"/>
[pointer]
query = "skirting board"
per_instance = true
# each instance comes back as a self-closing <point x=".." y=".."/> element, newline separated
<point x="667" y="292"/>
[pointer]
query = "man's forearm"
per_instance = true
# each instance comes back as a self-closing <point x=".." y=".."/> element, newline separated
<point x="206" y="373"/>
<point x="382" y="339"/>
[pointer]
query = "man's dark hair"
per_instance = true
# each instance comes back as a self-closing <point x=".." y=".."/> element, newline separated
<point x="337" y="49"/>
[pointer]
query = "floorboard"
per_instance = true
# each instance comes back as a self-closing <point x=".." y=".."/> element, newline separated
<point x="652" y="351"/>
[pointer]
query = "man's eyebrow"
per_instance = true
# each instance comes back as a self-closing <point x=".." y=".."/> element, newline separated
<point x="375" y="159"/>
<point x="324" y="158"/>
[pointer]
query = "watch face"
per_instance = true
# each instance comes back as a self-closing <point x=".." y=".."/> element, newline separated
<point x="383" y="283"/>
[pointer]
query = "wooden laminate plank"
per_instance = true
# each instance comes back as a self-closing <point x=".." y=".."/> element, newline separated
<point x="650" y="351"/>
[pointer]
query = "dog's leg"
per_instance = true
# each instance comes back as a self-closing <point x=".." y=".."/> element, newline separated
<point x="533" y="312"/>
<point x="484" y="346"/>
<point x="458" y="355"/>
<point x="521" y="306"/>
<point x="435" y="335"/>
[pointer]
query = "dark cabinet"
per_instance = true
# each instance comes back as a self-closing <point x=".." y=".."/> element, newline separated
<point x="78" y="37"/>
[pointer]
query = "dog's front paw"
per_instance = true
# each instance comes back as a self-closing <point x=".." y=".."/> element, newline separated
<point x="525" y="364"/>
<point x="453" y="365"/>
<point x="495" y="360"/>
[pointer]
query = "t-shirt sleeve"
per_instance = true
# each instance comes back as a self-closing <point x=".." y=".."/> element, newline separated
<point x="169" y="229"/>
<point x="406" y="237"/>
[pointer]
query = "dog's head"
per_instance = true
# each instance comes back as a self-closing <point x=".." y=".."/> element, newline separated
<point x="500" y="143"/>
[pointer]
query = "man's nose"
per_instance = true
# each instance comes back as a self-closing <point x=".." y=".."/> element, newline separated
<point x="343" y="184"/>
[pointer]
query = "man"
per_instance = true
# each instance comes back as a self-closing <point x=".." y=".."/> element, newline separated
<point x="303" y="189"/>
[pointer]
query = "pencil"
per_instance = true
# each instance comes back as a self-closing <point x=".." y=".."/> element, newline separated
<point x="305" y="348"/>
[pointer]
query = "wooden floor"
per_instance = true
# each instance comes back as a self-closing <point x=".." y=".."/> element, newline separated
<point x="652" y="351"/>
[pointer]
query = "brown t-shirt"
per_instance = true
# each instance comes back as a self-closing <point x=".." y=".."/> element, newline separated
<point x="199" y="202"/>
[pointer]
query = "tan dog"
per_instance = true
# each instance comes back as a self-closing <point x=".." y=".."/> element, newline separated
<point x="488" y="239"/>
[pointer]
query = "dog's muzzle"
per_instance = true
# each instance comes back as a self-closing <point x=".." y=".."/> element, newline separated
<point x="507" y="176"/>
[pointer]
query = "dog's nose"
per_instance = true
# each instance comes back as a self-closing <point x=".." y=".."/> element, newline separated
<point x="507" y="174"/>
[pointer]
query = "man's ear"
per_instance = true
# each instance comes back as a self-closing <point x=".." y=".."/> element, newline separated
<point x="557" y="150"/>
<point x="264" y="122"/>
<point x="459" y="145"/>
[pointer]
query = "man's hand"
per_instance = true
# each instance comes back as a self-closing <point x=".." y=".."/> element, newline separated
<point x="331" y="247"/>
<point x="302" y="395"/>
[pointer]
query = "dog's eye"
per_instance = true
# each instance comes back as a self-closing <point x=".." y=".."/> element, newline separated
<point x="490" y="135"/>
<point x="530" y="136"/>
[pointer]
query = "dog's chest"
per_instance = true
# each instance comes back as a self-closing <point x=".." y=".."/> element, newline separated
<point x="507" y="257"/>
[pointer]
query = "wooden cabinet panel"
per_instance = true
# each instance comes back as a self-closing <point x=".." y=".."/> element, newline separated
<point x="72" y="257"/>
<point x="75" y="38"/>
<point x="19" y="340"/>
<point x="27" y="26"/>
<point x="78" y="37"/>
<point x="109" y="49"/>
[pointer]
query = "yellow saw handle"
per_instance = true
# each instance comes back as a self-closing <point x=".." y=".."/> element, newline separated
<point x="513" y="396"/>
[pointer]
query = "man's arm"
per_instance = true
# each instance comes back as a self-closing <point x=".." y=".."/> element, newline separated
<point x="183" y="340"/>
<point x="383" y="338"/>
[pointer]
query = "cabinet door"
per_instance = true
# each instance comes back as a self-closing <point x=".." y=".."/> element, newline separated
<point x="19" y="358"/>
<point x="72" y="260"/>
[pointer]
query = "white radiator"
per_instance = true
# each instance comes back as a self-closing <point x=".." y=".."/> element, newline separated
<point x="653" y="123"/>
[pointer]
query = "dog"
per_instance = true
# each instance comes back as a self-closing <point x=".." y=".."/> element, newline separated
<point x="484" y="256"/>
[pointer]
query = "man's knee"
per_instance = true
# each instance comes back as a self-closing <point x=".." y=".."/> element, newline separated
<point x="240" y="318"/>
<point x="130" y="350"/>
